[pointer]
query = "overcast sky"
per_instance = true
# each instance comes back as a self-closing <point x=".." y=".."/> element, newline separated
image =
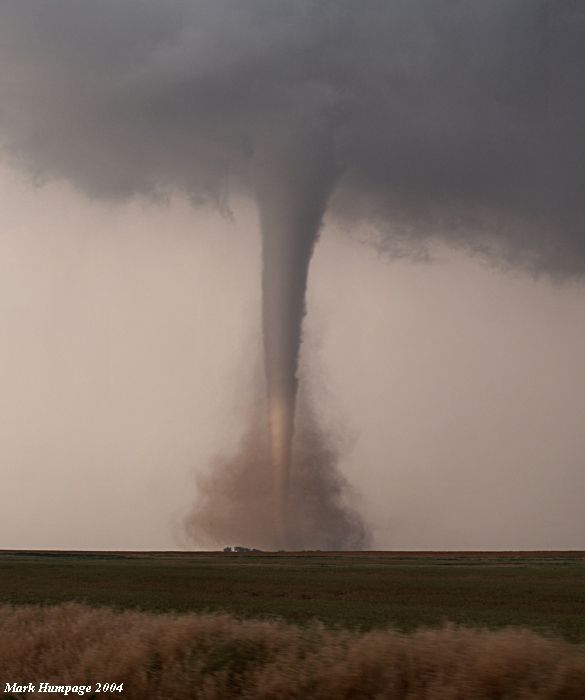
<point x="163" y="161"/>
<point x="129" y="350"/>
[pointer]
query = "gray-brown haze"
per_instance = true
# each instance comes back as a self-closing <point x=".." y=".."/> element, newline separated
<point x="453" y="393"/>
<point x="460" y="122"/>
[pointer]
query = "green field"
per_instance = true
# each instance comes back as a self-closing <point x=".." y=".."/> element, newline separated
<point x="542" y="591"/>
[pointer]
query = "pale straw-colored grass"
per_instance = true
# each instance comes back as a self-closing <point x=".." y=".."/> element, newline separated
<point x="218" y="657"/>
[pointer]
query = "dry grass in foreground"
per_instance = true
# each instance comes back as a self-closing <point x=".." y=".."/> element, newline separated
<point x="213" y="657"/>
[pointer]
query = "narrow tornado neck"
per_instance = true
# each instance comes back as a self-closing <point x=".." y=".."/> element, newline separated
<point x="294" y="177"/>
<point x="286" y="252"/>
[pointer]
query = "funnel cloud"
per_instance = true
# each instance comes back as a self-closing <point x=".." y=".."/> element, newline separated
<point x="293" y="184"/>
<point x="428" y="119"/>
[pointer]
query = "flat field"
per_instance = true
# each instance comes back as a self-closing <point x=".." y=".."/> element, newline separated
<point x="543" y="591"/>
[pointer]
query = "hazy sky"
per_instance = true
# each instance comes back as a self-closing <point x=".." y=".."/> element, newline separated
<point x="135" y="339"/>
<point x="129" y="349"/>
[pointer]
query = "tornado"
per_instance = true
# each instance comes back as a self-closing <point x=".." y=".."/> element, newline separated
<point x="426" y="121"/>
<point x="294" y="176"/>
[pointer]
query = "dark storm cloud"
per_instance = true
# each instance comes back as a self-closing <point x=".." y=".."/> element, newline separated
<point x="459" y="119"/>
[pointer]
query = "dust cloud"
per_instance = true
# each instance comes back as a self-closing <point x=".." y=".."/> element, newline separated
<point x="235" y="499"/>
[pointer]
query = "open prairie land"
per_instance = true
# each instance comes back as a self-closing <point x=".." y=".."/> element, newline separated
<point x="542" y="591"/>
<point x="310" y="625"/>
<point x="169" y="656"/>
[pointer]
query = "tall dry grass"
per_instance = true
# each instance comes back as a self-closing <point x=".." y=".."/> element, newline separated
<point x="217" y="657"/>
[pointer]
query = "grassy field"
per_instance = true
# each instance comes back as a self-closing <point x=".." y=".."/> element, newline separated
<point x="541" y="591"/>
<point x="219" y="657"/>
